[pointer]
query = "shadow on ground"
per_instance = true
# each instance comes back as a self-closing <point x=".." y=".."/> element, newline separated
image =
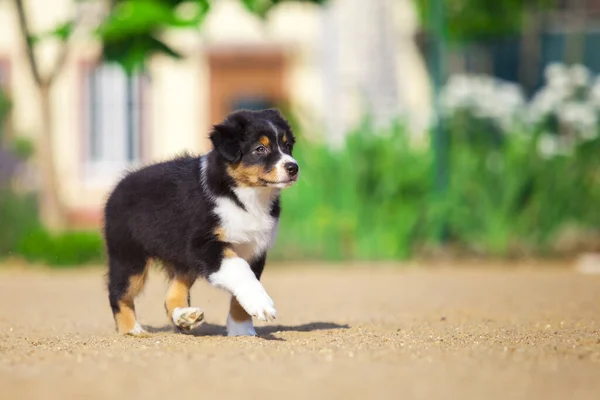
<point x="265" y="332"/>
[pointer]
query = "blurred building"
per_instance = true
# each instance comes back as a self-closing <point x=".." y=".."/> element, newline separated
<point x="568" y="33"/>
<point x="330" y="65"/>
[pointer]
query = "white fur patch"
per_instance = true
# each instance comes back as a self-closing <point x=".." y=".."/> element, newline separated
<point x="244" y="328"/>
<point x="236" y="276"/>
<point x="274" y="129"/>
<point x="250" y="230"/>
<point x="282" y="174"/>
<point x="137" y="330"/>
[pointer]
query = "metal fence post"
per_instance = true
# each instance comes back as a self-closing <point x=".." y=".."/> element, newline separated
<point x="439" y="138"/>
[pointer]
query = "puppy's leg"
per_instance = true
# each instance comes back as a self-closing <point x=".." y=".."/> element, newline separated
<point x="236" y="276"/>
<point x="126" y="281"/>
<point x="177" y="304"/>
<point x="239" y="322"/>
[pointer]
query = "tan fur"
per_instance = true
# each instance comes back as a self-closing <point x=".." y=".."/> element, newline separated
<point x="264" y="141"/>
<point x="220" y="234"/>
<point x="228" y="253"/>
<point x="284" y="139"/>
<point x="125" y="318"/>
<point x="178" y="294"/>
<point x="249" y="176"/>
<point x="238" y="314"/>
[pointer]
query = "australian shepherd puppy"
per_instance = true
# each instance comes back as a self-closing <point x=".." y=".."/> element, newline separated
<point x="212" y="216"/>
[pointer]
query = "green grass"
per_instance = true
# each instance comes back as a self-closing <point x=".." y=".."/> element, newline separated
<point x="371" y="199"/>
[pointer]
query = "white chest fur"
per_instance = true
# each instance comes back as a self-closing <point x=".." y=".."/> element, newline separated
<point x="250" y="230"/>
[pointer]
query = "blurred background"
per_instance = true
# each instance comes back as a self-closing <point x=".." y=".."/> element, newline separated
<point x="455" y="128"/>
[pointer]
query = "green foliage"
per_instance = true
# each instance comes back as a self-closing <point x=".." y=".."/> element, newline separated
<point x="507" y="199"/>
<point x="131" y="33"/>
<point x="371" y="198"/>
<point x="61" y="32"/>
<point x="5" y="106"/>
<point x="18" y="216"/>
<point x="22" y="147"/>
<point x="478" y="19"/>
<point x="363" y="200"/>
<point x="22" y="236"/>
<point x="262" y="7"/>
<point x="68" y="249"/>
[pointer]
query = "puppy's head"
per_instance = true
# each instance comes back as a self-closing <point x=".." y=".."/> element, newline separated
<point x="257" y="148"/>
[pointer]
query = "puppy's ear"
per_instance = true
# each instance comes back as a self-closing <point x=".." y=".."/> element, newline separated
<point x="226" y="138"/>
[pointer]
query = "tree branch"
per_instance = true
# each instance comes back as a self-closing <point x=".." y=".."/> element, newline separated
<point x="60" y="62"/>
<point x="26" y="33"/>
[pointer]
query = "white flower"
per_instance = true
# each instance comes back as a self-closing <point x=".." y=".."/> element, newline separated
<point x="547" y="145"/>
<point x="557" y="76"/>
<point x="582" y="118"/>
<point x="483" y="97"/>
<point x="594" y="94"/>
<point x="568" y="95"/>
<point x="580" y="75"/>
<point x="550" y="145"/>
<point x="544" y="103"/>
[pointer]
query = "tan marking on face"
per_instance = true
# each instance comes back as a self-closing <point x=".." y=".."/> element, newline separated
<point x="251" y="175"/>
<point x="264" y="141"/>
<point x="284" y="139"/>
<point x="228" y="253"/>
<point x="237" y="312"/>
<point x="178" y="294"/>
<point x="125" y="318"/>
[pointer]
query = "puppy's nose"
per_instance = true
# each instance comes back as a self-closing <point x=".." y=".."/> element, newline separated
<point x="291" y="168"/>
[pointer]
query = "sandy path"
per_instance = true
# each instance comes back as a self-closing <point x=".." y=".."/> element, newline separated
<point x="340" y="333"/>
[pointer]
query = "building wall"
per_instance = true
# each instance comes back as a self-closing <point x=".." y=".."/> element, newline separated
<point x="177" y="110"/>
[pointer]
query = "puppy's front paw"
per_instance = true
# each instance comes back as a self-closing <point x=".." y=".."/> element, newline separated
<point x="257" y="302"/>
<point x="187" y="318"/>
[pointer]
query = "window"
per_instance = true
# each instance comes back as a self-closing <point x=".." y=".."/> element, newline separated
<point x="113" y="123"/>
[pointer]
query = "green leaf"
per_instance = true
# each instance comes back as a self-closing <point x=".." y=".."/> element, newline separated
<point x="136" y="17"/>
<point x="61" y="32"/>
<point x="133" y="52"/>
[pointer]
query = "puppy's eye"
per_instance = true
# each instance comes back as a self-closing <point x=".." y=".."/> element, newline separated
<point x="260" y="150"/>
<point x="288" y="147"/>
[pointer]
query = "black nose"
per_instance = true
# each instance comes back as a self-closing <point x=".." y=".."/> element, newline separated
<point x="291" y="168"/>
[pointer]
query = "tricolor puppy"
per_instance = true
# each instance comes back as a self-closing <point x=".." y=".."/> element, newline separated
<point x="213" y="216"/>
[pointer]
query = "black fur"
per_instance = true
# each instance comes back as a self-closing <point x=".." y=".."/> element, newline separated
<point x="164" y="212"/>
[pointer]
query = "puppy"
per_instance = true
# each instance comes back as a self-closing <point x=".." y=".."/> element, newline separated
<point x="213" y="217"/>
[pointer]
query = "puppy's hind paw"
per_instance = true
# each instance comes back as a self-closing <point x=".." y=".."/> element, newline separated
<point x="187" y="318"/>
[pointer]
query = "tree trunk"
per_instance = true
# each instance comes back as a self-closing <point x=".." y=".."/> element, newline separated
<point x="50" y="207"/>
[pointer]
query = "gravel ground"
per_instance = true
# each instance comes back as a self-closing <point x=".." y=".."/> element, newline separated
<point x="352" y="333"/>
